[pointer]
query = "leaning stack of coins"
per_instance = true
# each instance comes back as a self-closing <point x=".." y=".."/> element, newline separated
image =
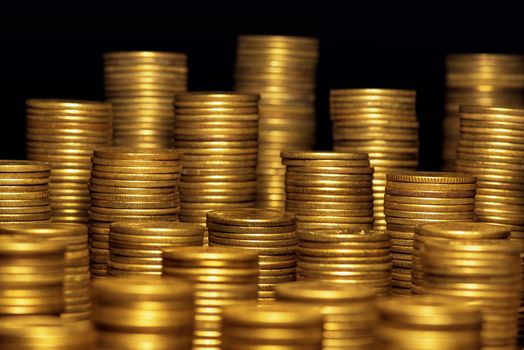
<point x="65" y="133"/>
<point x="328" y="190"/>
<point x="382" y="123"/>
<point x="282" y="70"/>
<point x="141" y="86"/>
<point x="480" y="80"/>
<point x="270" y="233"/>
<point x="130" y="184"/>
<point x="220" y="277"/>
<point x="349" y="311"/>
<point x="417" y="197"/>
<point x="143" y="313"/>
<point x="346" y="257"/>
<point x="135" y="248"/>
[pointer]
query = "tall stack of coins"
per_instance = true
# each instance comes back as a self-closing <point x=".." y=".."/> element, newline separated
<point x="130" y="184"/>
<point x="328" y="190"/>
<point x="346" y="257"/>
<point x="349" y="312"/>
<point x="143" y="313"/>
<point x="65" y="133"/>
<point x="141" y="86"/>
<point x="270" y="233"/>
<point x="382" y="123"/>
<point x="220" y="277"/>
<point x="414" y="198"/>
<point x="480" y="80"/>
<point x="282" y="70"/>
<point x="135" y="248"/>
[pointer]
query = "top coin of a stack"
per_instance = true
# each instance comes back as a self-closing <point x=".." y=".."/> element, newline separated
<point x="488" y="112"/>
<point x="129" y="153"/>
<point x="430" y="177"/>
<point x="324" y="159"/>
<point x="251" y="217"/>
<point x="69" y="106"/>
<point x="203" y="97"/>
<point x="156" y="56"/>
<point x="23" y="166"/>
<point x="464" y="230"/>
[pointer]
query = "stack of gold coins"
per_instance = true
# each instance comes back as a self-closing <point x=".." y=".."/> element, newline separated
<point x="270" y="233"/>
<point x="349" y="311"/>
<point x="24" y="191"/>
<point x="130" y="184"/>
<point x="346" y="257"/>
<point x="143" y="313"/>
<point x="77" y="281"/>
<point x="414" y="198"/>
<point x="283" y="326"/>
<point x="425" y="322"/>
<point x="328" y="190"/>
<point x="282" y="69"/>
<point x="480" y="80"/>
<point x="141" y="86"/>
<point x="65" y="133"/>
<point x="382" y="123"/>
<point x="135" y="248"/>
<point x="221" y="277"/>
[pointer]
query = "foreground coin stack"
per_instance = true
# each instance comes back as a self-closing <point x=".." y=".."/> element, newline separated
<point x="346" y="257"/>
<point x="270" y="233"/>
<point x="282" y="70"/>
<point x="280" y="326"/>
<point x="220" y="277"/>
<point x="480" y="80"/>
<point x="135" y="248"/>
<point x="140" y="85"/>
<point x="130" y="184"/>
<point x="382" y="123"/>
<point x="143" y="313"/>
<point x="328" y="190"/>
<point x="428" y="323"/>
<point x="414" y="198"/>
<point x="349" y="311"/>
<point x="65" y="133"/>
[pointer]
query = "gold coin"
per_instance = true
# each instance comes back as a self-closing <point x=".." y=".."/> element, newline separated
<point x="235" y="228"/>
<point x="251" y="217"/>
<point x="428" y="193"/>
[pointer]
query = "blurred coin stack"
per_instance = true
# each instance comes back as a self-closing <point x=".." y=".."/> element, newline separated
<point x="349" y="312"/>
<point x="346" y="257"/>
<point x="130" y="184"/>
<point x="141" y="85"/>
<point x="65" y="133"/>
<point x="328" y="190"/>
<point x="143" y="313"/>
<point x="135" y="248"/>
<point x="220" y="277"/>
<point x="480" y="80"/>
<point x="382" y="123"/>
<point x="417" y="197"/>
<point x="270" y="233"/>
<point x="282" y="70"/>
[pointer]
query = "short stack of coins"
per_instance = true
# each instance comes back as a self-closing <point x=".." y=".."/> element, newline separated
<point x="65" y="133"/>
<point x="130" y="184"/>
<point x="414" y="198"/>
<point x="479" y="80"/>
<point x="220" y="277"/>
<point x="141" y="85"/>
<point x="143" y="313"/>
<point x="349" y="311"/>
<point x="382" y="123"/>
<point x="270" y="233"/>
<point x="328" y="190"/>
<point x="346" y="257"/>
<point x="24" y="191"/>
<point x="282" y="69"/>
<point x="135" y="248"/>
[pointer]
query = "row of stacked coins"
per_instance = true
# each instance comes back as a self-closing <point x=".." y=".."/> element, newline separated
<point x="130" y="184"/>
<point x="282" y="70"/>
<point x="382" y="123"/>
<point x="220" y="277"/>
<point x="141" y="86"/>
<point x="270" y="233"/>
<point x="414" y="198"/>
<point x="328" y="190"/>
<point x="65" y="133"/>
